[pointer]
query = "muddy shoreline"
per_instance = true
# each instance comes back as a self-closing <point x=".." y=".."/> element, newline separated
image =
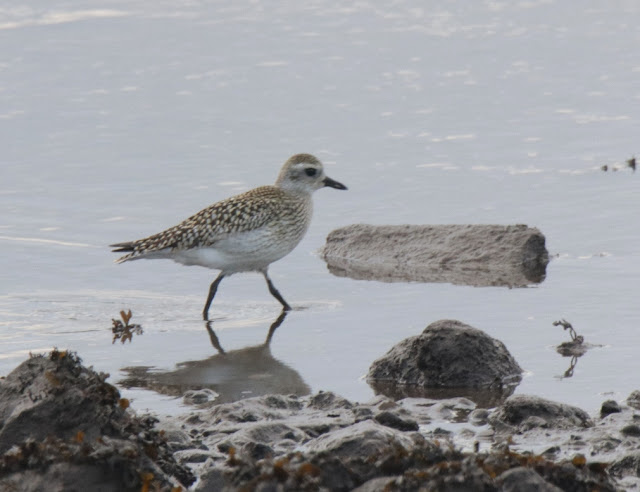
<point x="65" y="426"/>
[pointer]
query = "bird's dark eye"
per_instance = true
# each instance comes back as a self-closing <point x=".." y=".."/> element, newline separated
<point x="310" y="171"/>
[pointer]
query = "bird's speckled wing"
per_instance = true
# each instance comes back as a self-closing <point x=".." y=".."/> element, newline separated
<point x="245" y="212"/>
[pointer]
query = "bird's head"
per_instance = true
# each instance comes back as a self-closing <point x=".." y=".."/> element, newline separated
<point x="305" y="173"/>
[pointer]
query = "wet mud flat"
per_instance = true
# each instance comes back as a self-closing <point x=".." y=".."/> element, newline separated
<point x="64" y="427"/>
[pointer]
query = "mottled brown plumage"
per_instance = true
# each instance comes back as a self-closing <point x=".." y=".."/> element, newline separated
<point x="246" y="232"/>
<point x="241" y="213"/>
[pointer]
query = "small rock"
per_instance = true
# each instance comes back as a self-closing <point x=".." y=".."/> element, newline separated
<point x="552" y="451"/>
<point x="354" y="445"/>
<point x="609" y="407"/>
<point x="632" y="430"/>
<point x="393" y="420"/>
<point x="440" y="432"/>
<point x="519" y="409"/>
<point x="448" y="354"/>
<point x="479" y="417"/>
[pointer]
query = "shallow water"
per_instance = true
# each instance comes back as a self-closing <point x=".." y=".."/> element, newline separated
<point x="118" y="122"/>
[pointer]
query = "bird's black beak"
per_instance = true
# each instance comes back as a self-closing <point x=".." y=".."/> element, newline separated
<point x="333" y="184"/>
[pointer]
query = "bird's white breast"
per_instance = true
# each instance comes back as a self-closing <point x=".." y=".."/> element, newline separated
<point x="240" y="251"/>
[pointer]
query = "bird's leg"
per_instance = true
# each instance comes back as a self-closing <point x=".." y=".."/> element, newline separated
<point x="275" y="293"/>
<point x="212" y="293"/>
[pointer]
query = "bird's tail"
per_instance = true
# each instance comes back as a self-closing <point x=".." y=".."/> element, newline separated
<point x="129" y="247"/>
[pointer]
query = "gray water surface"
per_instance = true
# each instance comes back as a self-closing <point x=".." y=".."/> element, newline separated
<point x="120" y="119"/>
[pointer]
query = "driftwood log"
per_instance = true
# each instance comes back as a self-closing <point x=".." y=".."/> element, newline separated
<point x="477" y="255"/>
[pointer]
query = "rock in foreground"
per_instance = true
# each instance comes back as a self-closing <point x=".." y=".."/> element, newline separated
<point x="478" y="255"/>
<point x="524" y="412"/>
<point x="62" y="427"/>
<point x="448" y="354"/>
<point x="326" y="443"/>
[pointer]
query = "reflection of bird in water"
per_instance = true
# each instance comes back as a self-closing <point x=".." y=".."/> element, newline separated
<point x="244" y="233"/>
<point x="274" y="326"/>
<point x="234" y="375"/>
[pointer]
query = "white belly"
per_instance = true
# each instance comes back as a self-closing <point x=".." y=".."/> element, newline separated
<point x="239" y="252"/>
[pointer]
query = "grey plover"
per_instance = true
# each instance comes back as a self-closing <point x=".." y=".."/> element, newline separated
<point x="244" y="233"/>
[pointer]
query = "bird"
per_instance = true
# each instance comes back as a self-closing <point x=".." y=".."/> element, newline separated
<point x="245" y="232"/>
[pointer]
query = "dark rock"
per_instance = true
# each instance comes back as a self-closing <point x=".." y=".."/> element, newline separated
<point x="440" y="432"/>
<point x="522" y="479"/>
<point x="395" y="421"/>
<point x="479" y="255"/>
<point x="609" y="407"/>
<point x="55" y="395"/>
<point x="448" y="354"/>
<point x="551" y="452"/>
<point x="632" y="430"/>
<point x="62" y="427"/>
<point x="526" y="412"/>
